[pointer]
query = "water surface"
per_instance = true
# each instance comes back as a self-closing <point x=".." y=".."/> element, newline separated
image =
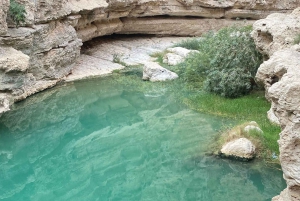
<point x="106" y="139"/>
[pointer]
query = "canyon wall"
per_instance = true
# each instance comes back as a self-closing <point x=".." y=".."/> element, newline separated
<point x="41" y="52"/>
<point x="275" y="38"/>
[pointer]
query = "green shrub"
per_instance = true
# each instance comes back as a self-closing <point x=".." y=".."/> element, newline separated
<point x="17" y="12"/>
<point x="191" y="44"/>
<point x="229" y="50"/>
<point x="228" y="83"/>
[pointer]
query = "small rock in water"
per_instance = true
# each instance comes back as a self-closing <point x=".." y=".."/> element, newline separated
<point x="240" y="149"/>
<point x="154" y="72"/>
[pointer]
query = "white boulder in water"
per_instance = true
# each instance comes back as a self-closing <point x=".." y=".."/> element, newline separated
<point x="154" y="72"/>
<point x="241" y="148"/>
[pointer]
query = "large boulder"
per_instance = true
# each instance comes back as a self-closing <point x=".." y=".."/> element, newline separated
<point x="177" y="55"/>
<point x="154" y="72"/>
<point x="241" y="149"/>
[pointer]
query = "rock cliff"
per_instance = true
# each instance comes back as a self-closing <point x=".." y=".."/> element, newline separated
<point x="53" y="31"/>
<point x="279" y="75"/>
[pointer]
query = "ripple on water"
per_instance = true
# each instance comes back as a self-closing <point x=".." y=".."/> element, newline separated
<point x="97" y="140"/>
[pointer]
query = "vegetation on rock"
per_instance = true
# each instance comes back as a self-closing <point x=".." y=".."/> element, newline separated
<point x="17" y="12"/>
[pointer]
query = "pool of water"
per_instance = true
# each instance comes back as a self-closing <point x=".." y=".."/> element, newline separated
<point x="109" y="140"/>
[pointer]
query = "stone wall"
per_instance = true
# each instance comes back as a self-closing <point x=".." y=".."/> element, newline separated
<point x="54" y="30"/>
<point x="274" y="36"/>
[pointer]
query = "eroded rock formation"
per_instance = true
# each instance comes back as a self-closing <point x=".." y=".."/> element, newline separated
<point x="53" y="31"/>
<point x="280" y="76"/>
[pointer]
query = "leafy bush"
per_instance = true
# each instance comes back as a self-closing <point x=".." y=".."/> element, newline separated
<point x="17" y="12"/>
<point x="228" y="83"/>
<point x="229" y="52"/>
<point x="191" y="44"/>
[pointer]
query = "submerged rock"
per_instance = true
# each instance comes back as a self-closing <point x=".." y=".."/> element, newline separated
<point x="240" y="149"/>
<point x="154" y="72"/>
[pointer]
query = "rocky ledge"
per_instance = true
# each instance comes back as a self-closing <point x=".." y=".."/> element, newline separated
<point x="280" y="76"/>
<point x="53" y="31"/>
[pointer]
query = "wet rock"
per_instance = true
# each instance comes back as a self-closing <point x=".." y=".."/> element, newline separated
<point x="154" y="72"/>
<point x="240" y="149"/>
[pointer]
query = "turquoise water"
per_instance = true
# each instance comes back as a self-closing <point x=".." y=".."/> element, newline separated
<point x="106" y="139"/>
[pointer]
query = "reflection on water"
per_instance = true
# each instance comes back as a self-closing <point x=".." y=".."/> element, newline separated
<point x="101" y="140"/>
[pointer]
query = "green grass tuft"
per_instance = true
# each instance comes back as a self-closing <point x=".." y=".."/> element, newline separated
<point x="297" y="39"/>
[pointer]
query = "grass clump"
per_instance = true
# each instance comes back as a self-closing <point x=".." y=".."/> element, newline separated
<point x="297" y="39"/>
<point x="17" y="12"/>
<point x="229" y="53"/>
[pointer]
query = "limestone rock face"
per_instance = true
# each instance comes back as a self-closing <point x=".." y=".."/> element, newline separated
<point x="13" y="65"/>
<point x="50" y="49"/>
<point x="154" y="72"/>
<point x="280" y="77"/>
<point x="277" y="31"/>
<point x="241" y="148"/>
<point x="284" y="94"/>
<point x="182" y="27"/>
<point x="4" y="4"/>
